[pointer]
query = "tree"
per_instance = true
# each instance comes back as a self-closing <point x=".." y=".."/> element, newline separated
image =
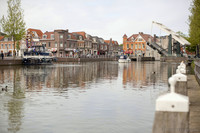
<point x="13" y="25"/>
<point x="194" y="23"/>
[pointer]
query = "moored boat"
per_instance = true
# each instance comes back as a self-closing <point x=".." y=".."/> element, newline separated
<point x="37" y="55"/>
<point x="124" y="59"/>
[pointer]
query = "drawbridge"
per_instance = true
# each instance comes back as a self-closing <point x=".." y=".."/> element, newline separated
<point x="175" y="47"/>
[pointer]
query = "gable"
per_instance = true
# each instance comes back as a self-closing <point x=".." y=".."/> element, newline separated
<point x="139" y="38"/>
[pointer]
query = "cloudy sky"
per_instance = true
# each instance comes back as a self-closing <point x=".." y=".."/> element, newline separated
<point x="105" y="18"/>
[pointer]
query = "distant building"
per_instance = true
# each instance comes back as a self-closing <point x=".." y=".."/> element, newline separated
<point x="113" y="47"/>
<point x="136" y="45"/>
<point x="7" y="45"/>
<point x="62" y="43"/>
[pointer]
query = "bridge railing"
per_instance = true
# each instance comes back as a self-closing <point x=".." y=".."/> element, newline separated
<point x="197" y="71"/>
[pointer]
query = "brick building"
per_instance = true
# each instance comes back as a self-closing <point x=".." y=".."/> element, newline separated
<point x="136" y="45"/>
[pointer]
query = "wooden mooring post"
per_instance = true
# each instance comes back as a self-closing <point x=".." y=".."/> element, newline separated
<point x="172" y="109"/>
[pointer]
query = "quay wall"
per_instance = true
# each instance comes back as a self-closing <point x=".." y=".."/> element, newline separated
<point x="173" y="59"/>
<point x="18" y="61"/>
<point x="12" y="61"/>
<point x="84" y="59"/>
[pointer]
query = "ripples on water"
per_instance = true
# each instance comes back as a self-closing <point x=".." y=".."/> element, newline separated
<point x="93" y="97"/>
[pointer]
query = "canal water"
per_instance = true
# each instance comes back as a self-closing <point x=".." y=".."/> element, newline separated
<point x="92" y="97"/>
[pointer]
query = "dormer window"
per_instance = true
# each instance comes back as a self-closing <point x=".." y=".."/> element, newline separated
<point x="44" y="36"/>
<point x="52" y="36"/>
<point x="140" y="39"/>
<point x="80" y="38"/>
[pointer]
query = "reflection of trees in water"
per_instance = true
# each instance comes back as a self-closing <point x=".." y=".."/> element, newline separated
<point x="13" y="78"/>
<point x="15" y="110"/>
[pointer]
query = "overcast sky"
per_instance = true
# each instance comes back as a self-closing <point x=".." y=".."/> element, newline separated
<point x="105" y="18"/>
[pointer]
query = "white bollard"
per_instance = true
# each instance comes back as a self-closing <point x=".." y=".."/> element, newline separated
<point x="180" y="77"/>
<point x="173" y="102"/>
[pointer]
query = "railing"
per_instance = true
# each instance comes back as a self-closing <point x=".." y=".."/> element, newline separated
<point x="159" y="48"/>
<point x="197" y="71"/>
<point x="92" y="56"/>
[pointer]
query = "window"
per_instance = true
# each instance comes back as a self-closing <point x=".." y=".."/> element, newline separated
<point x="61" y="44"/>
<point x="49" y="44"/>
<point x="56" y="45"/>
<point x="52" y="36"/>
<point x="44" y="44"/>
<point x="44" y="36"/>
<point x="1" y="46"/>
<point x="105" y="47"/>
<point x="80" y="37"/>
<point x="127" y="46"/>
<point x="140" y="39"/>
<point x="139" y="46"/>
<point x="6" y="46"/>
<point x="69" y="36"/>
<point x="131" y="46"/>
<point x="65" y="44"/>
<point x="61" y="36"/>
<point x="101" y="47"/>
<point x="9" y="46"/>
<point x="135" y="46"/>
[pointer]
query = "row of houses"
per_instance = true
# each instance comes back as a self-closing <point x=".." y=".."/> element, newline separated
<point x="62" y="43"/>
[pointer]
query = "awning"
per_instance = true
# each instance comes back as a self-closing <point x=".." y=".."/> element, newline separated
<point x="70" y="49"/>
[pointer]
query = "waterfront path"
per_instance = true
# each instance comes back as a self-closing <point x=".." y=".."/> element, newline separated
<point x="181" y="122"/>
<point x="194" y="96"/>
<point x="11" y="61"/>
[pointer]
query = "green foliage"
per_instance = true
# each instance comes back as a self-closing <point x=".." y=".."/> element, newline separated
<point x="18" y="45"/>
<point x="13" y="25"/>
<point x="194" y="19"/>
<point x="190" y="48"/>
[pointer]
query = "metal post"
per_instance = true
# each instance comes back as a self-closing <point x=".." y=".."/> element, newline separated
<point x="178" y="49"/>
<point x="170" y="45"/>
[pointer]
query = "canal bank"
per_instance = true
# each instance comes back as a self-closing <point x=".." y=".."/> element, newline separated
<point x="10" y="61"/>
<point x="18" y="61"/>
<point x="182" y="122"/>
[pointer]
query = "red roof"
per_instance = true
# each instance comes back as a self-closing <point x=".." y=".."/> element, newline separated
<point x="1" y="37"/>
<point x="125" y="36"/>
<point x="39" y="32"/>
<point x="144" y="36"/>
<point x="48" y="34"/>
<point x="72" y="36"/>
<point x="108" y="41"/>
<point x="82" y="33"/>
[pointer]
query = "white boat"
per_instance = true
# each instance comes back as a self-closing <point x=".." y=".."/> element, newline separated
<point x="124" y="59"/>
<point x="37" y="55"/>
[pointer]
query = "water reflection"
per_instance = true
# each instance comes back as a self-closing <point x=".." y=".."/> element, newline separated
<point x="112" y="92"/>
<point x="142" y="74"/>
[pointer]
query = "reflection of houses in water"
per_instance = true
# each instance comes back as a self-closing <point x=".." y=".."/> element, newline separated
<point x="77" y="75"/>
<point x="144" y="73"/>
<point x="35" y="76"/>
